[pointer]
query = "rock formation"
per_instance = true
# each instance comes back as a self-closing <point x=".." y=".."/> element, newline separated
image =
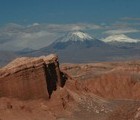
<point x="31" y="78"/>
<point x="114" y="80"/>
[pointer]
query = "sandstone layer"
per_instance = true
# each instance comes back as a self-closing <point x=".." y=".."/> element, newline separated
<point x="31" y="78"/>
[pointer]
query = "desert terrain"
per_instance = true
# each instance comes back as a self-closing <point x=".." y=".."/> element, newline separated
<point x="41" y="89"/>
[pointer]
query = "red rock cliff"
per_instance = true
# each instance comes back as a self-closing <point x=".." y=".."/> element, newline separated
<point x="31" y="78"/>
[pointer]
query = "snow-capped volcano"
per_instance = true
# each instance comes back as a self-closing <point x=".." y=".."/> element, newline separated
<point x="75" y="36"/>
<point x="75" y="40"/>
<point x="120" y="38"/>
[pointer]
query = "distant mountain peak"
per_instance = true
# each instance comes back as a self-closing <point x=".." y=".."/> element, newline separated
<point x="120" y="38"/>
<point x="82" y="35"/>
<point x="75" y="36"/>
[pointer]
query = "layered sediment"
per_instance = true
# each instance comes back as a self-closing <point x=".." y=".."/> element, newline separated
<point x="31" y="77"/>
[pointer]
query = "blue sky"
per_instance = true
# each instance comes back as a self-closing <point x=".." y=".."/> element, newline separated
<point x="37" y="23"/>
<point x="66" y="11"/>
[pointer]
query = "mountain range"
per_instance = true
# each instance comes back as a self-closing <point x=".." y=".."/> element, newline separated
<point x="80" y="47"/>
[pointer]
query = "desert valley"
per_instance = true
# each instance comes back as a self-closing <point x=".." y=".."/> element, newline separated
<point x="41" y="89"/>
<point x="69" y="60"/>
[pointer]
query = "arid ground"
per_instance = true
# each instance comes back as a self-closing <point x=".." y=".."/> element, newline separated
<point x="93" y="91"/>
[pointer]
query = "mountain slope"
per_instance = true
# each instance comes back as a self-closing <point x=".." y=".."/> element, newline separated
<point x="6" y="56"/>
<point x="122" y="41"/>
<point x="120" y="38"/>
<point x="77" y="47"/>
<point x="75" y="39"/>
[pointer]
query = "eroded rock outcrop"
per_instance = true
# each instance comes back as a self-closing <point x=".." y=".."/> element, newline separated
<point x="114" y="80"/>
<point x="31" y="78"/>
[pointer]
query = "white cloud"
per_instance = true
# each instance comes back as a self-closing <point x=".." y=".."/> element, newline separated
<point x="72" y="27"/>
<point x="37" y="40"/>
<point x="26" y="39"/>
<point x="34" y="24"/>
<point x="120" y="31"/>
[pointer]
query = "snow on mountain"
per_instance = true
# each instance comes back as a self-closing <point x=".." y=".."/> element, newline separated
<point x="120" y="38"/>
<point x="75" y="40"/>
<point x="75" y="36"/>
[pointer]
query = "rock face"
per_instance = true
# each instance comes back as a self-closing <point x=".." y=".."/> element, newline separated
<point x="31" y="78"/>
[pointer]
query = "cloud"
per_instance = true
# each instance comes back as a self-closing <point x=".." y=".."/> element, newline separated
<point x="29" y="40"/>
<point x="120" y="31"/>
<point x="72" y="27"/>
<point x="34" y="24"/>
<point x="36" y="40"/>
<point x="16" y="37"/>
<point x="130" y="18"/>
<point x="125" y="24"/>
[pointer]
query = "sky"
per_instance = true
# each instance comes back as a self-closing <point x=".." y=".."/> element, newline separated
<point x="36" y="23"/>
<point x="66" y="11"/>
